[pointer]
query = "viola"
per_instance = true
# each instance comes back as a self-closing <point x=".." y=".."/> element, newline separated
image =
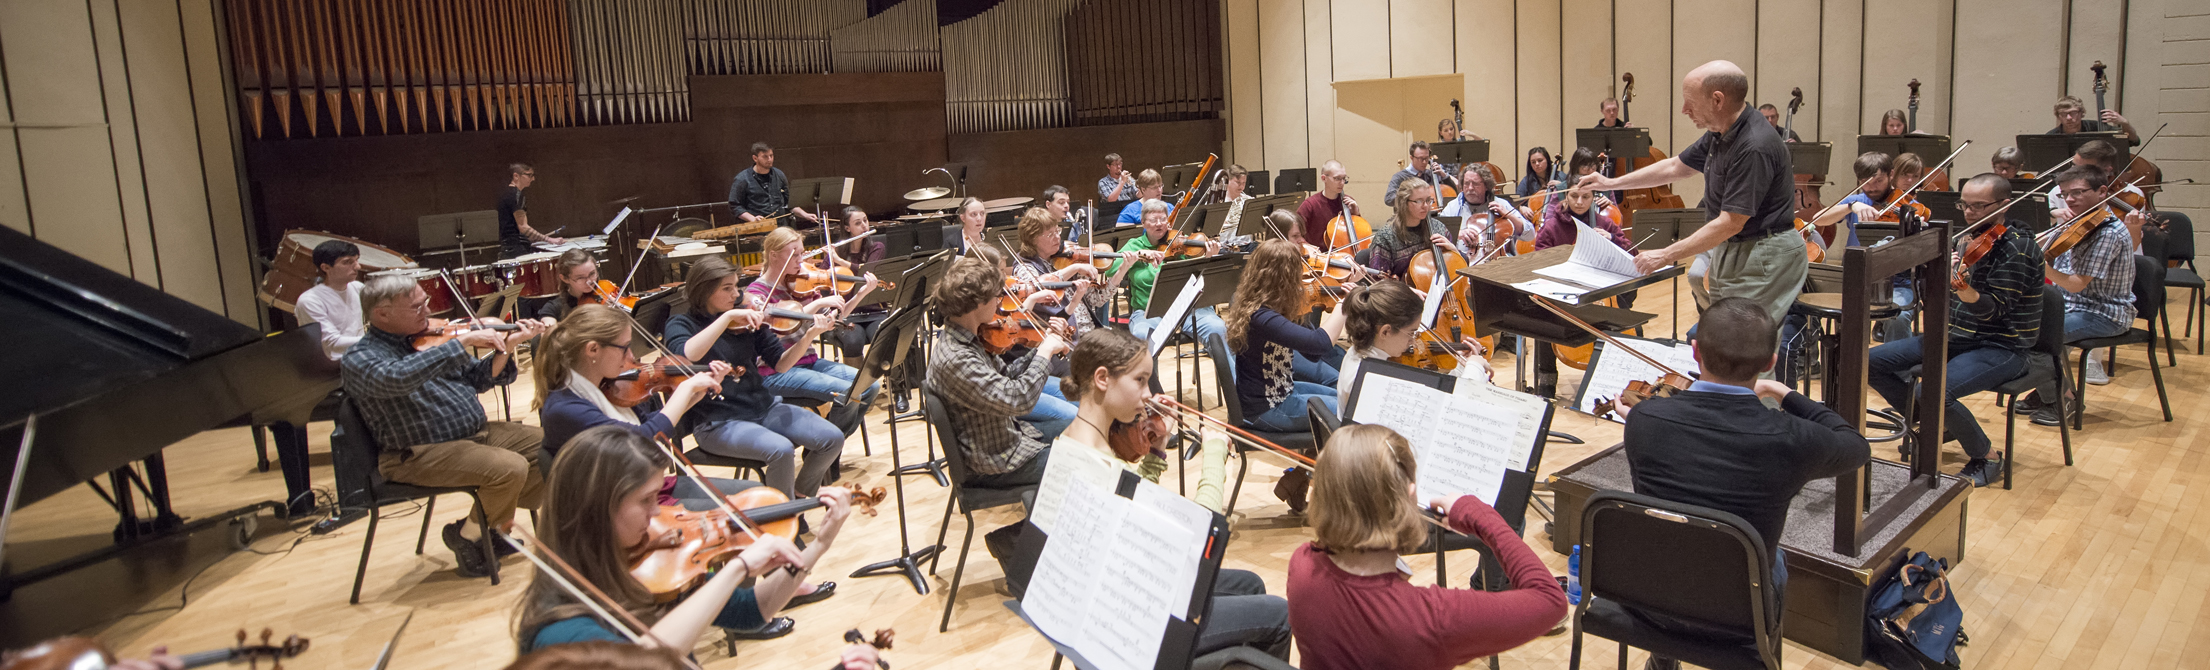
<point x="1002" y="334"/>
<point x="686" y="546"/>
<point x="607" y="294"/>
<point x="1017" y="293"/>
<point x="1132" y="440"/>
<point x="1100" y="256"/>
<point x="442" y="331"/>
<point x="84" y="653"/>
<point x="660" y="376"/>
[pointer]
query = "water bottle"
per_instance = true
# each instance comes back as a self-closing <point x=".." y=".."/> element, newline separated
<point x="1573" y="576"/>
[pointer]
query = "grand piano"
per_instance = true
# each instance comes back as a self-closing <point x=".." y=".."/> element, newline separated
<point x="106" y="372"/>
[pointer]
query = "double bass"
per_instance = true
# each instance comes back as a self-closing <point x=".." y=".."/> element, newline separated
<point x="1655" y="197"/>
<point x="2138" y="170"/>
<point x="1937" y="179"/>
<point x="1458" y="120"/>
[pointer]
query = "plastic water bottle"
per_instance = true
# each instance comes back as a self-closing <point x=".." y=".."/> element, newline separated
<point x="1573" y="576"/>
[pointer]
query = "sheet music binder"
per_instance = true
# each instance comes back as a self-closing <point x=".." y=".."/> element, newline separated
<point x="1179" y="646"/>
<point x="1519" y="486"/>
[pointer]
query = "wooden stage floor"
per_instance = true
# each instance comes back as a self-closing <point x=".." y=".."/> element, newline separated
<point x="2099" y="565"/>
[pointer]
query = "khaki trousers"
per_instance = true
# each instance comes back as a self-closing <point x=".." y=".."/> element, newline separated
<point x="500" y="461"/>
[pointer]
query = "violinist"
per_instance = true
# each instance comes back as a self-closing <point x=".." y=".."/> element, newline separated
<point x="1408" y="232"/>
<point x="1716" y="444"/>
<point x="421" y="408"/>
<point x="1749" y="195"/>
<point x="746" y="420"/>
<point x="578" y="357"/>
<point x="853" y="258"/>
<point x="2072" y="118"/>
<point x="1995" y="319"/>
<point x="1060" y="203"/>
<point x="1609" y="107"/>
<point x="1149" y="186"/>
<point x="1382" y="321"/>
<point x="1479" y="197"/>
<point x="1353" y="604"/>
<point x="1140" y="259"/>
<point x="811" y="377"/>
<point x="2007" y="162"/>
<point x="1041" y="241"/>
<point x="1420" y="169"/>
<point x="1586" y="161"/>
<point x="1327" y="203"/>
<point x="1536" y="178"/>
<point x="1263" y="333"/>
<point x="1772" y="116"/>
<point x="984" y="393"/>
<point x="2096" y="274"/>
<point x="579" y="277"/>
<point x="2097" y="154"/>
<point x="335" y="299"/>
<point x="603" y="494"/>
<point x="1051" y="413"/>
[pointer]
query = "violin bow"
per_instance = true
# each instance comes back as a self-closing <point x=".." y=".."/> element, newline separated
<point x="640" y="263"/>
<point x="1929" y="174"/>
<point x="565" y="575"/>
<point x="1554" y="308"/>
<point x="689" y="469"/>
<point x="2058" y="229"/>
<point x="1234" y="433"/>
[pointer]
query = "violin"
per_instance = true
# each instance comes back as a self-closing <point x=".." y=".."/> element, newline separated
<point x="660" y="376"/>
<point x="442" y="331"/>
<point x="1181" y="245"/>
<point x="1132" y="440"/>
<point x="607" y="294"/>
<point x="686" y="546"/>
<point x="1960" y="277"/>
<point x="1100" y="256"/>
<point x="788" y="317"/>
<point x="805" y="279"/>
<point x="1002" y="334"/>
<point x="1017" y="292"/>
<point x="884" y="637"/>
<point x="1669" y="381"/>
<point x="84" y="653"/>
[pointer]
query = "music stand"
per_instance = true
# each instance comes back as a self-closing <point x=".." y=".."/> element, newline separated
<point x="813" y="191"/>
<point x="1173" y="175"/>
<point x="2038" y="153"/>
<point x="1926" y="146"/>
<point x="1460" y="152"/>
<point x="1207" y="219"/>
<point x="895" y="339"/>
<point x="1222" y="273"/>
<point x="1663" y="227"/>
<point x="1811" y="158"/>
<point x="1623" y="143"/>
<point x="1108" y="213"/>
<point x="1297" y="179"/>
<point x="1257" y="185"/>
<point x="461" y="230"/>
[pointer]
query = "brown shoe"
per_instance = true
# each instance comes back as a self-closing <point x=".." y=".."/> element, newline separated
<point x="1291" y="489"/>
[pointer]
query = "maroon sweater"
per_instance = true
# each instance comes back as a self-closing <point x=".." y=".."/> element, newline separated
<point x="1383" y="621"/>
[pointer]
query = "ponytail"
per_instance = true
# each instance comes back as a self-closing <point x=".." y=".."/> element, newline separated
<point x="1113" y="349"/>
<point x="562" y="348"/>
<point x="1382" y="303"/>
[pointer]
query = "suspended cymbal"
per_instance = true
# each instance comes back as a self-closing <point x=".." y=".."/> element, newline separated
<point x="930" y="193"/>
<point x="937" y="205"/>
<point x="1000" y="203"/>
<point x="623" y="201"/>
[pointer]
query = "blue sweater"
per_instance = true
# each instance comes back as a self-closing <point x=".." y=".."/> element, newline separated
<point x="566" y="414"/>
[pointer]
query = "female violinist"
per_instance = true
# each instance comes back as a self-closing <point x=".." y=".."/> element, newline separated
<point x="577" y="359"/>
<point x="601" y="499"/>
<point x="811" y="377"/>
<point x="1041" y="241"/>
<point x="579" y="280"/>
<point x="1536" y="177"/>
<point x="1586" y="161"/>
<point x="1579" y="205"/>
<point x="1483" y="212"/>
<point x="1382" y="320"/>
<point x="852" y="258"/>
<point x="1263" y="333"/>
<point x="1407" y="233"/>
<point x="1140" y="259"/>
<point x="746" y="420"/>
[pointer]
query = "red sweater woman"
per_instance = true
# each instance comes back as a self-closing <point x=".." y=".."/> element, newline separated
<point x="1350" y="605"/>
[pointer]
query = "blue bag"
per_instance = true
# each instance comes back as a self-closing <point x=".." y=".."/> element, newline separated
<point x="1915" y="621"/>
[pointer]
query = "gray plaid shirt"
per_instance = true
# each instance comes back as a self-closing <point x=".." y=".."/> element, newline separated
<point x="983" y="393"/>
<point x="410" y="398"/>
<point x="2106" y="259"/>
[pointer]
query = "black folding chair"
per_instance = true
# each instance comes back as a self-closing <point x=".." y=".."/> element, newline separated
<point x="1645" y="560"/>
<point x="353" y="461"/>
<point x="1223" y="367"/>
<point x="969" y="499"/>
<point x="2148" y="300"/>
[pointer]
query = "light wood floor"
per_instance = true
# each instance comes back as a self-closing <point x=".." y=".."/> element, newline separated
<point x="2098" y="565"/>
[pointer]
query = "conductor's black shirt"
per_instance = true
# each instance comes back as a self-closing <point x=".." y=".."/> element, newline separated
<point x="1746" y="171"/>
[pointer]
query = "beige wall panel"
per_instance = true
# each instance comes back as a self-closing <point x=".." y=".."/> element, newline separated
<point x="218" y="155"/>
<point x="1840" y="102"/>
<point x="1246" y="102"/>
<point x="70" y="182"/>
<point x="14" y="211"/>
<point x="1375" y="123"/>
<point x="1536" y="84"/>
<point x="1585" y="66"/>
<point x="2002" y="93"/>
<point x="1420" y="40"/>
<point x="1703" y="31"/>
<point x="1486" y="56"/>
<point x="175" y="190"/>
<point x="2096" y="29"/>
<point x="1319" y="78"/>
<point x="1914" y="45"/>
<point x="1787" y="57"/>
<point x="123" y="132"/>
<point x="1360" y="31"/>
<point x="1281" y="66"/>
<point x="1648" y="53"/>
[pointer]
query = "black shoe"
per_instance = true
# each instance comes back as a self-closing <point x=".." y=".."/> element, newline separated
<point x="1980" y="471"/>
<point x="776" y="627"/>
<point x="500" y="549"/>
<point x="2027" y="404"/>
<point x="1291" y="489"/>
<point x="899" y="404"/>
<point x="468" y="559"/>
<point x="1002" y="541"/>
<point x="2047" y="416"/>
<point x="821" y="592"/>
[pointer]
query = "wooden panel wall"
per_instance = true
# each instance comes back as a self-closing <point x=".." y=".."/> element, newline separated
<point x="1535" y="69"/>
<point x="119" y="142"/>
<point x="1141" y="61"/>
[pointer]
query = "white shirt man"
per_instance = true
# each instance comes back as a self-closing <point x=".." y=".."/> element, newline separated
<point x="335" y="302"/>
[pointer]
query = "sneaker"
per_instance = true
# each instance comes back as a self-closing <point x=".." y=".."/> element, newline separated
<point x="2047" y="414"/>
<point x="468" y="558"/>
<point x="1980" y="471"/>
<point x="2095" y="373"/>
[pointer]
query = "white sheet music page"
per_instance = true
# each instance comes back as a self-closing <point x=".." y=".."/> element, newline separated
<point x="1172" y="319"/>
<point x="1596" y="261"/>
<point x="1067" y="470"/>
<point x="1109" y="578"/>
<point x="1614" y="369"/>
<point x="1464" y="442"/>
<point x="1437" y="287"/>
<point x="619" y="217"/>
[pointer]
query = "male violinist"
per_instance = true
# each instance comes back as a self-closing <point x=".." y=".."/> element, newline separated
<point x="763" y="190"/>
<point x="1327" y="203"/>
<point x="1421" y="168"/>
<point x="1749" y="195"/>
<point x="2007" y="162"/>
<point x="2097" y="154"/>
<point x="2097" y="277"/>
<point x="421" y="409"/>
<point x="2072" y="118"/>
<point x="1995" y="317"/>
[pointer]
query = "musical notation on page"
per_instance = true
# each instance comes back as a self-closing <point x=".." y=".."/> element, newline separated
<point x="1465" y="441"/>
<point x="1596" y="261"/>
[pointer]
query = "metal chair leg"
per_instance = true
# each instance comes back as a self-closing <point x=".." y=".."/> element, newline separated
<point x="429" y="508"/>
<point x="943" y="530"/>
<point x="2010" y="437"/>
<point x="368" y="541"/>
<point x="483" y="537"/>
<point x="959" y="570"/>
<point x="2158" y="373"/>
<point x="1237" y="491"/>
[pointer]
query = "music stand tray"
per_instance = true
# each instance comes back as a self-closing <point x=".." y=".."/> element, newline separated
<point x="1812" y="158"/>
<point x="2041" y="152"/>
<point x="1930" y="148"/>
<point x="1623" y="143"/>
<point x="1460" y="152"/>
<point x="1660" y="228"/>
<point x="1297" y="179"/>
<point x="1500" y="306"/>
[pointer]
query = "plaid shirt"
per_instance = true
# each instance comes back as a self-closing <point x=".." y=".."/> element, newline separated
<point x="2106" y="259"/>
<point x="983" y="394"/>
<point x="411" y="398"/>
<point x="1110" y="190"/>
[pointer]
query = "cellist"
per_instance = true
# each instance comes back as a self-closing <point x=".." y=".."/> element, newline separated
<point x="1327" y="203"/>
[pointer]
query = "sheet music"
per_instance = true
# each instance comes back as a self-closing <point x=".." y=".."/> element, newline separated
<point x="619" y="217"/>
<point x="1108" y="579"/>
<point x="1172" y="319"/>
<point x="1596" y="261"/>
<point x="1551" y="289"/>
<point x="1437" y="287"/>
<point x="1464" y="440"/>
<point x="1614" y="369"/>
<point x="1069" y="469"/>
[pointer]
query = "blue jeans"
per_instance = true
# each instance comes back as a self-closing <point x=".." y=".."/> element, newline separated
<point x="1290" y="416"/>
<point x="1052" y="413"/>
<point x="823" y="379"/>
<point x="1202" y="323"/>
<point x="1970" y="371"/>
<point x="1900" y="326"/>
<point x="776" y="439"/>
<point x="1324" y="370"/>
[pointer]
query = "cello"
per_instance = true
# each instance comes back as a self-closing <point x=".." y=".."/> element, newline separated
<point x="1655" y="197"/>
<point x="1438" y="348"/>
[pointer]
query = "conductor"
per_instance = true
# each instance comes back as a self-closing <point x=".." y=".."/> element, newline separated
<point x="1748" y="185"/>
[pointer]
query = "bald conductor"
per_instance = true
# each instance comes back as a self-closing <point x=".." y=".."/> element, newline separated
<point x="1748" y="191"/>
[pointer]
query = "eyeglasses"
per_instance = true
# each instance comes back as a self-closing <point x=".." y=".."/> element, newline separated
<point x="529" y="174"/>
<point x="1967" y="204"/>
<point x="2078" y="192"/>
<point x="1424" y="201"/>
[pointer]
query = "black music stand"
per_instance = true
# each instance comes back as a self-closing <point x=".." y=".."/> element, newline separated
<point x="913" y="289"/>
<point x="1660" y="228"/>
<point x="1257" y="184"/>
<point x="1930" y="148"/>
<point x="1297" y="179"/>
<point x="895" y="339"/>
<point x="1460" y="152"/>
<point x="458" y="232"/>
<point x="2038" y="153"/>
<point x="1623" y="143"/>
<point x="1257" y="208"/>
<point x="1811" y="158"/>
<point x="813" y="192"/>
<point x="1221" y="273"/>
<point x="1206" y="219"/>
<point x="1108" y="213"/>
<point x="911" y="286"/>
